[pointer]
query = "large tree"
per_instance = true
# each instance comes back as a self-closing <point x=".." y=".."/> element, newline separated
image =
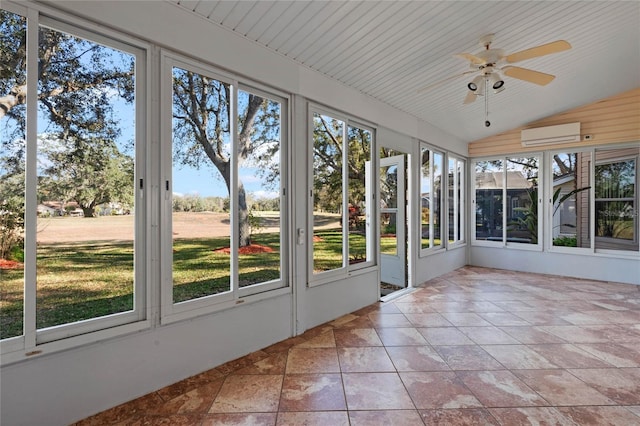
<point x="202" y="132"/>
<point x="329" y="155"/>
<point x="88" y="171"/>
<point x="80" y="85"/>
<point x="77" y="80"/>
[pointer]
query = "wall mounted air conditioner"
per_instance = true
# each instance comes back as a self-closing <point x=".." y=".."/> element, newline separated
<point x="551" y="134"/>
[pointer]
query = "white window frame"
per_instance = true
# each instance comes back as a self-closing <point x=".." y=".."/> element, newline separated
<point x="458" y="201"/>
<point x="170" y="311"/>
<point x="636" y="197"/>
<point x="346" y="269"/>
<point x="549" y="190"/>
<point x="425" y="251"/>
<point x="35" y="341"/>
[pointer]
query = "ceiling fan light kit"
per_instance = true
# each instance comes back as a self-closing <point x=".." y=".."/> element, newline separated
<point x="475" y="84"/>
<point x="496" y="82"/>
<point x="491" y="64"/>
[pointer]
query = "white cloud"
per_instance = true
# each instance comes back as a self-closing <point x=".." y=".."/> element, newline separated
<point x="258" y="195"/>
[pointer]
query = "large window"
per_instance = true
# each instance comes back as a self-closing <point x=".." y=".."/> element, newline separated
<point x="80" y="267"/>
<point x="595" y="199"/>
<point x="201" y="209"/>
<point x="570" y="189"/>
<point x="341" y="188"/>
<point x="455" y="200"/>
<point x="616" y="199"/>
<point x="226" y="186"/>
<point x="507" y="200"/>
<point x="522" y="199"/>
<point x="431" y="190"/>
<point x="489" y="184"/>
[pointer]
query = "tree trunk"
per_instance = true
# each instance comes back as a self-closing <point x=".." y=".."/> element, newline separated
<point x="88" y="211"/>
<point x="243" y="218"/>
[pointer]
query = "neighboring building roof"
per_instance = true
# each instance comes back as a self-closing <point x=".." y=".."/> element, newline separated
<point x="561" y="180"/>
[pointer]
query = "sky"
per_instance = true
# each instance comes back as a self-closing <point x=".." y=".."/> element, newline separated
<point x="206" y="182"/>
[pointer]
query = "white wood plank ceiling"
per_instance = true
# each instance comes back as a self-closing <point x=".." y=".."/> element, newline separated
<point x="390" y="49"/>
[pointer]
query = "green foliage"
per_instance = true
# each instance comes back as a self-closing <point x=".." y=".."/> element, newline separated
<point x="389" y="228"/>
<point x="529" y="221"/>
<point x="329" y="153"/>
<point x="11" y="227"/>
<point x="88" y="171"/>
<point x="195" y="203"/>
<point x="566" y="241"/>
<point x="615" y="182"/>
<point x="11" y="206"/>
<point x="266" y="204"/>
<point x="79" y="85"/>
<point x="13" y="73"/>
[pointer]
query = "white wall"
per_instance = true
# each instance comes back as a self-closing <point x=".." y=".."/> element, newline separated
<point x="595" y="267"/>
<point x="434" y="265"/>
<point x="66" y="386"/>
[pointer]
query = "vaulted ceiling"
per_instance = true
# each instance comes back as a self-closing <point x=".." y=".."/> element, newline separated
<point x="390" y="49"/>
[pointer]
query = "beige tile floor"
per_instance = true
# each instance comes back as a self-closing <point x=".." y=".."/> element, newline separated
<point x="475" y="347"/>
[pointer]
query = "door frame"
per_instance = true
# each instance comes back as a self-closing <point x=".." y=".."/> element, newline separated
<point x="400" y="262"/>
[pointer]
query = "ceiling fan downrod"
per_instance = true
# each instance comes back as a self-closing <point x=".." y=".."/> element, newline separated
<point x="487" y="123"/>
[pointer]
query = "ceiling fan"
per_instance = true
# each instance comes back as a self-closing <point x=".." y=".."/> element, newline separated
<point x="490" y="64"/>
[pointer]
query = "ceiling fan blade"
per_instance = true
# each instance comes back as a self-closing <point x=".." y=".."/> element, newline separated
<point x="438" y="83"/>
<point x="534" y="52"/>
<point x="471" y="58"/>
<point x="469" y="98"/>
<point x="531" y="76"/>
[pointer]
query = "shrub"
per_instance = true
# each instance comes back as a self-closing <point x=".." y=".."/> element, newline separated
<point x="11" y="227"/>
<point x="566" y="241"/>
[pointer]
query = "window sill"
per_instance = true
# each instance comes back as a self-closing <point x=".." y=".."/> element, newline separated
<point x="22" y="354"/>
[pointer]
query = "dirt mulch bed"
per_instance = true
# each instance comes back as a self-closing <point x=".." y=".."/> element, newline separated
<point x="10" y="264"/>
<point x="250" y="249"/>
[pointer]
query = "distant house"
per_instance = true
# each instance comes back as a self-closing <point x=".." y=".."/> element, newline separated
<point x="109" y="209"/>
<point x="47" y="211"/>
<point x="59" y="208"/>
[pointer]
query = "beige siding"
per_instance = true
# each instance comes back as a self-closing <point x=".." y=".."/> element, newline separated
<point x="611" y="120"/>
<point x="582" y="199"/>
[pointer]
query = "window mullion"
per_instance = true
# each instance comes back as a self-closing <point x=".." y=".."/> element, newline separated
<point x="592" y="199"/>
<point x="345" y="194"/>
<point x="31" y="181"/>
<point x="504" y="200"/>
<point x="234" y="192"/>
<point x="462" y="198"/>
<point x="432" y="204"/>
<point x="455" y="200"/>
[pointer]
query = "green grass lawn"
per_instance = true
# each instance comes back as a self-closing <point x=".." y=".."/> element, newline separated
<point x="82" y="281"/>
<point x="327" y="252"/>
